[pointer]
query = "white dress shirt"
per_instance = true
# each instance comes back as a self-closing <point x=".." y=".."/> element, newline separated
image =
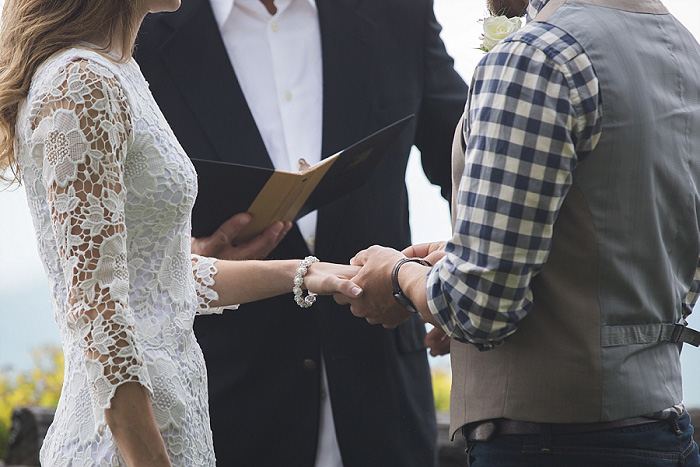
<point x="277" y="60"/>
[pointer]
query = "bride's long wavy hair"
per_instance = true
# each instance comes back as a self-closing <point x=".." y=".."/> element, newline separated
<point x="33" y="30"/>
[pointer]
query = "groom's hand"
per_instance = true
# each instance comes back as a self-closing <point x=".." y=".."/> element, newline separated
<point x="376" y="304"/>
<point x="222" y="243"/>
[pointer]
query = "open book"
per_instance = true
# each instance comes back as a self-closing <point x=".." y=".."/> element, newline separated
<point x="225" y="189"/>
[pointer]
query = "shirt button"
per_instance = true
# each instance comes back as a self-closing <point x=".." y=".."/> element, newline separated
<point x="288" y="95"/>
<point x="311" y="242"/>
<point x="274" y="27"/>
<point x="310" y="365"/>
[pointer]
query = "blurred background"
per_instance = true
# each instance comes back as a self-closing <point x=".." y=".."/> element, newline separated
<point x="26" y="320"/>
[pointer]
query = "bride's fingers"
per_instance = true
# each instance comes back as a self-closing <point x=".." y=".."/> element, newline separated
<point x="347" y="271"/>
<point x="331" y="284"/>
<point x="347" y="287"/>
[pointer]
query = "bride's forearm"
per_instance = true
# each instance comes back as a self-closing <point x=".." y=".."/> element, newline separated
<point x="133" y="425"/>
<point x="247" y="281"/>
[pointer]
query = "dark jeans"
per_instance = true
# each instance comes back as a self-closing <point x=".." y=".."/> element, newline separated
<point x="663" y="443"/>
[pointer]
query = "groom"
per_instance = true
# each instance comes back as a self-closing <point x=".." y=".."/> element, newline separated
<point x="575" y="255"/>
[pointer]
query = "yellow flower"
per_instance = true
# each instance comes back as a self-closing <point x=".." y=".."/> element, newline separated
<point x="442" y="383"/>
<point x="41" y="386"/>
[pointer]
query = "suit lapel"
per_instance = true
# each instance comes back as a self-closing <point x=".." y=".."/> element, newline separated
<point x="223" y="113"/>
<point x="347" y="35"/>
<point x="346" y="38"/>
<point x="222" y="110"/>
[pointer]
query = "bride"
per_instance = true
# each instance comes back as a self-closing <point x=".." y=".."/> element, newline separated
<point x="110" y="191"/>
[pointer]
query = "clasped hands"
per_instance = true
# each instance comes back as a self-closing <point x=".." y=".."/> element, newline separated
<point x="376" y="303"/>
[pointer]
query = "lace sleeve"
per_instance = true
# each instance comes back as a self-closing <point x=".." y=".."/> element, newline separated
<point x="204" y="270"/>
<point x="81" y="127"/>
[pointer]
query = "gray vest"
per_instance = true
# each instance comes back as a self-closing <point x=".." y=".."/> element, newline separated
<point x="598" y="344"/>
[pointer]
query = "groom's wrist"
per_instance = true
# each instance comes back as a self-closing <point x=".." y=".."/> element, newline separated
<point x="403" y="278"/>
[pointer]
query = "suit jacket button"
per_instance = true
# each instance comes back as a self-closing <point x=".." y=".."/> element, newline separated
<point x="310" y="365"/>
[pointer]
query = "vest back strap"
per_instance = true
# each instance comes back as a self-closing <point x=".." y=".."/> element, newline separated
<point x="612" y="336"/>
<point x="652" y="7"/>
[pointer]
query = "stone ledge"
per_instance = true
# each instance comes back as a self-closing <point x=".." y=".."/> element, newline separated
<point x="29" y="426"/>
<point x="695" y="415"/>
<point x="450" y="453"/>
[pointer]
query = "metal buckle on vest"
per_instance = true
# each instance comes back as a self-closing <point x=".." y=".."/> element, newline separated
<point x="681" y="333"/>
<point x="678" y="329"/>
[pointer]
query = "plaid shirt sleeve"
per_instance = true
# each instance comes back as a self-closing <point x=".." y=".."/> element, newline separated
<point x="533" y="114"/>
<point x="692" y="297"/>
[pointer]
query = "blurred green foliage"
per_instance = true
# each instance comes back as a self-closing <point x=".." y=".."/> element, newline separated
<point x="442" y="382"/>
<point x="40" y="386"/>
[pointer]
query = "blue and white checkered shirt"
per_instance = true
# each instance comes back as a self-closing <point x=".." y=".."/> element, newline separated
<point x="533" y="114"/>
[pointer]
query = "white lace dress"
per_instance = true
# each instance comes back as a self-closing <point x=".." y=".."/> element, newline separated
<point x="110" y="191"/>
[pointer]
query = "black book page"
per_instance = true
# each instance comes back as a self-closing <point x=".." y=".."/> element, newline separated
<point x="226" y="189"/>
<point x="353" y="166"/>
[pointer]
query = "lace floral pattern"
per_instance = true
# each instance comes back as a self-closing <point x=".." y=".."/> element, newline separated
<point x="110" y="191"/>
<point x="204" y="271"/>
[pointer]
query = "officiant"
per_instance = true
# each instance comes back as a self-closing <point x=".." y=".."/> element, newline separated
<point x="264" y="83"/>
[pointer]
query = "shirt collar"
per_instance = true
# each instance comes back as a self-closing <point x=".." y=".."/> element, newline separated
<point x="534" y="7"/>
<point x="222" y="9"/>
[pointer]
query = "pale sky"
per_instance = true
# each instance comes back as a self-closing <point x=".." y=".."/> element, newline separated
<point x="22" y="328"/>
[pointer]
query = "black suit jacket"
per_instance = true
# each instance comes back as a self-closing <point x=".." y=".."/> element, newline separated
<point x="382" y="60"/>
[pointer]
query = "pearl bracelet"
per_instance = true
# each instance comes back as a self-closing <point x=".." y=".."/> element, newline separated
<point x="309" y="300"/>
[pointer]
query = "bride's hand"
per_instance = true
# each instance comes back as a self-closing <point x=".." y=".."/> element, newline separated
<point x="329" y="278"/>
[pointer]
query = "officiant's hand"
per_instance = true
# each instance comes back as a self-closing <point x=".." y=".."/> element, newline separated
<point x="222" y="243"/>
<point x="437" y="341"/>
<point x="431" y="252"/>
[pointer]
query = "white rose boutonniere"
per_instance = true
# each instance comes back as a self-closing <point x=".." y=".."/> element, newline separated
<point x="497" y="28"/>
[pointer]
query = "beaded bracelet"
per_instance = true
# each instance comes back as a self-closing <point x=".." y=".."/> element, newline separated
<point x="309" y="300"/>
